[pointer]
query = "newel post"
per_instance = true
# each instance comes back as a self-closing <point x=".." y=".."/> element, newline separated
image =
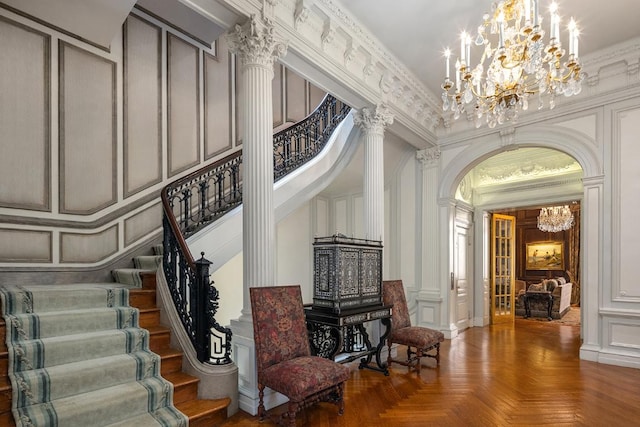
<point x="201" y="307"/>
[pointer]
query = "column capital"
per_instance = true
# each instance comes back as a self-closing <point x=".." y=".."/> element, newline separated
<point x="255" y="43"/>
<point x="428" y="156"/>
<point x="373" y="120"/>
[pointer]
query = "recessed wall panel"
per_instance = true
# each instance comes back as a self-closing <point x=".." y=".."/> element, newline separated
<point x="142" y="105"/>
<point x="629" y="183"/>
<point x="24" y="117"/>
<point x="217" y="101"/>
<point x="296" y="97"/>
<point x="316" y="95"/>
<point x="25" y="246"/>
<point x="183" y="123"/>
<point x="87" y="108"/>
<point x="142" y="224"/>
<point x="88" y="248"/>
<point x="277" y="99"/>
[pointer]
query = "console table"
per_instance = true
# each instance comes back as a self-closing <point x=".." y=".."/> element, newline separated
<point x="331" y="334"/>
<point x="543" y="295"/>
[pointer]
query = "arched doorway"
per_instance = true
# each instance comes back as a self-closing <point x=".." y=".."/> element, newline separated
<point x="563" y="140"/>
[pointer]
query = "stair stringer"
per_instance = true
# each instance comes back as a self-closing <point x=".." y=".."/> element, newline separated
<point x="216" y="381"/>
<point x="222" y="240"/>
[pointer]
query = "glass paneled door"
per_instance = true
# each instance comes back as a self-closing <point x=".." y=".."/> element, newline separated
<point x="502" y="268"/>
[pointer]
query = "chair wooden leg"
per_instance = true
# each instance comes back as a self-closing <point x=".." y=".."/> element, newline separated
<point x="438" y="354"/>
<point x="261" y="409"/>
<point x="418" y="360"/>
<point x="291" y="413"/>
<point x="341" y="399"/>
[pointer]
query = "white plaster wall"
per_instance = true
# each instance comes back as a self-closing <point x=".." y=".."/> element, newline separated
<point x="295" y="251"/>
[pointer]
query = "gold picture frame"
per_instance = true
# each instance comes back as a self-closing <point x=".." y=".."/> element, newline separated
<point x="545" y="255"/>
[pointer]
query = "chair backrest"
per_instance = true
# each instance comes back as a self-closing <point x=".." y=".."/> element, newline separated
<point x="279" y="326"/>
<point x="393" y="293"/>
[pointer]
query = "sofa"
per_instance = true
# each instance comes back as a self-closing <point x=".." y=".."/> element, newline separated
<point x="560" y="290"/>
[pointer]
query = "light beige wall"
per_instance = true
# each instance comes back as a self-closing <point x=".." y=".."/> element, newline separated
<point x="90" y="136"/>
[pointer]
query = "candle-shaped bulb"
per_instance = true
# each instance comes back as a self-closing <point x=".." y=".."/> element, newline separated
<point x="555" y="22"/>
<point x="535" y="13"/>
<point x="527" y="11"/>
<point x="501" y="29"/>
<point x="463" y="47"/>
<point x="447" y="55"/>
<point x="572" y="36"/>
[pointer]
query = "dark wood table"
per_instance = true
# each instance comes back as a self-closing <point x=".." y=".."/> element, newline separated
<point x="543" y="295"/>
<point x="332" y="334"/>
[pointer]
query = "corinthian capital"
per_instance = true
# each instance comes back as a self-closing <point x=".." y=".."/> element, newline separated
<point x="255" y="43"/>
<point x="428" y="156"/>
<point x="373" y="120"/>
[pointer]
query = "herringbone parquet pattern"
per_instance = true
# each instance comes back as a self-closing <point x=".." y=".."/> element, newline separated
<point x="523" y="375"/>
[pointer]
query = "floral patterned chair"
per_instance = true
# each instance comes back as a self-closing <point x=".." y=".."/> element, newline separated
<point x="419" y="340"/>
<point x="284" y="357"/>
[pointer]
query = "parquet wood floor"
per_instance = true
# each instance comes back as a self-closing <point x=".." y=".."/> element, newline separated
<point x="527" y="374"/>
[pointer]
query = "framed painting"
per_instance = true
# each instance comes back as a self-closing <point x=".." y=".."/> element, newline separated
<point x="545" y="256"/>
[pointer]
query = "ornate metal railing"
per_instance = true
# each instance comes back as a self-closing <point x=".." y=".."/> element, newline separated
<point x="301" y="142"/>
<point x="193" y="202"/>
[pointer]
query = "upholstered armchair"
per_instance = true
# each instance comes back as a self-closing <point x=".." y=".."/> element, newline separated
<point x="283" y="354"/>
<point x="420" y="341"/>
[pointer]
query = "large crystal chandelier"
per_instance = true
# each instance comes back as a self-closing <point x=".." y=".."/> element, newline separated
<point x="555" y="218"/>
<point x="514" y="67"/>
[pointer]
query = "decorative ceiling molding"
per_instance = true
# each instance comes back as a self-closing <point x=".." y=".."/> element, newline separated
<point x="524" y="164"/>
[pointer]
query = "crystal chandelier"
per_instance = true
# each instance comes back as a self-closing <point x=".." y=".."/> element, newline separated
<point x="555" y="218"/>
<point x="515" y="66"/>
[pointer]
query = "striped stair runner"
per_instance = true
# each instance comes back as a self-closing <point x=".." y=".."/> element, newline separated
<point x="77" y="357"/>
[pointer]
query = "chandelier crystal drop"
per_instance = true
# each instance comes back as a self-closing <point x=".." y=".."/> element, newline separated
<point x="515" y="64"/>
<point x="555" y="218"/>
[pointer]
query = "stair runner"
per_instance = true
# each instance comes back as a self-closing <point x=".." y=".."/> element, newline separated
<point x="78" y="358"/>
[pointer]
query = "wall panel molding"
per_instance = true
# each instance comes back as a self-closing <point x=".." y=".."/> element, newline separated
<point x="25" y="117"/>
<point x="18" y="246"/>
<point x="89" y="247"/>
<point x="183" y="115"/>
<point x="87" y="131"/>
<point x="142" y="224"/>
<point x="217" y="100"/>
<point x="142" y="105"/>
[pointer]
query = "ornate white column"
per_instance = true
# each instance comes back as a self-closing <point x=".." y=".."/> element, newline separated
<point x="373" y="122"/>
<point x="257" y="49"/>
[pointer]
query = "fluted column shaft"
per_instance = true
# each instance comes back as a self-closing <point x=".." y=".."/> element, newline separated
<point x="257" y="49"/>
<point x="372" y="122"/>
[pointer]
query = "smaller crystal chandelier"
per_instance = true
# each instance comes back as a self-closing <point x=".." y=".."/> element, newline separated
<point x="555" y="218"/>
<point x="518" y="65"/>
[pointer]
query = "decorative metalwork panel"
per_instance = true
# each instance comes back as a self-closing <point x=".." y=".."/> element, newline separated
<point x="349" y="270"/>
<point x="371" y="272"/>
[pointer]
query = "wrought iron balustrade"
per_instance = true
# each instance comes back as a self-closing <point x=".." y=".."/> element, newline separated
<point x="195" y="201"/>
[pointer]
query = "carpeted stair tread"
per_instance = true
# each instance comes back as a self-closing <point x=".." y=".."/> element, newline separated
<point x="57" y="323"/>
<point x="102" y="407"/>
<point x="129" y="276"/>
<point x="147" y="262"/>
<point x="40" y="298"/>
<point x="35" y="354"/>
<point x="149" y="420"/>
<point x="40" y="385"/>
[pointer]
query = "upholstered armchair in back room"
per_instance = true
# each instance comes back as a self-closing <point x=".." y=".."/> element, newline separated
<point x="419" y="340"/>
<point x="284" y="356"/>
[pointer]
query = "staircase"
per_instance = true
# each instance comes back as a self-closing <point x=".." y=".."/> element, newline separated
<point x="200" y="412"/>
